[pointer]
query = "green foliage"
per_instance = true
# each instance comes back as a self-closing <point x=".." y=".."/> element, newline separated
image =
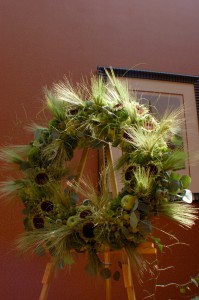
<point x="158" y="243"/>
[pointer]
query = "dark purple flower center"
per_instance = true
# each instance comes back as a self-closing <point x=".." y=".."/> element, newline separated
<point x="73" y="112"/>
<point x="47" y="206"/>
<point x="38" y="222"/>
<point x="129" y="172"/>
<point x="85" y="213"/>
<point x="41" y="178"/>
<point x="88" y="230"/>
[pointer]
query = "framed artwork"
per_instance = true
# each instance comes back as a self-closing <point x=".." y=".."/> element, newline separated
<point x="162" y="91"/>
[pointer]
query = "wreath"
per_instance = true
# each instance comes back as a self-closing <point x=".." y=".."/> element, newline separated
<point x="56" y="219"/>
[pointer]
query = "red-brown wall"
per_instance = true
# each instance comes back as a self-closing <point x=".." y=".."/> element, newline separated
<point x="45" y="39"/>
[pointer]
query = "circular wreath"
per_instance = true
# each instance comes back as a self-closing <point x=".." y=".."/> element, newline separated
<point x="56" y="219"/>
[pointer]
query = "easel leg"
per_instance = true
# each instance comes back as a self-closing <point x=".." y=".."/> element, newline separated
<point x="128" y="280"/>
<point x="81" y="165"/>
<point x="113" y="180"/>
<point x="108" y="281"/>
<point x="46" y="280"/>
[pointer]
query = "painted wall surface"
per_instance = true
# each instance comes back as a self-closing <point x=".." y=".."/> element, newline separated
<point x="42" y="40"/>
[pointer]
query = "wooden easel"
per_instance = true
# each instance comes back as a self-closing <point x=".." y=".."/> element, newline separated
<point x="145" y="248"/>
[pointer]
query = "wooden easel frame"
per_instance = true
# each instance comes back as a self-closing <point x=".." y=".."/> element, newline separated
<point x="145" y="248"/>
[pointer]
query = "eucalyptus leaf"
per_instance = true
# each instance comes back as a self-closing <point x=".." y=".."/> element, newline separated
<point x="126" y="233"/>
<point x="133" y="220"/>
<point x="187" y="197"/>
<point x="37" y="133"/>
<point x="74" y="197"/>
<point x="135" y="205"/>
<point x="105" y="273"/>
<point x="174" y="186"/>
<point x="116" y="275"/>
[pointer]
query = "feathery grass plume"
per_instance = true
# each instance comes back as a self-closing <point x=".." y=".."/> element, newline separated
<point x="149" y="142"/>
<point x="130" y="106"/>
<point x="35" y="128"/>
<point x="174" y="161"/>
<point x="98" y="200"/>
<point x="71" y="96"/>
<point x="117" y="92"/>
<point x="14" y="154"/>
<point x="10" y="188"/>
<point x="181" y="212"/>
<point x="56" y="153"/>
<point x="144" y="182"/>
<point x="170" y="122"/>
<point x="52" y="237"/>
<point x="56" y="107"/>
<point x="98" y="90"/>
<point x="137" y="262"/>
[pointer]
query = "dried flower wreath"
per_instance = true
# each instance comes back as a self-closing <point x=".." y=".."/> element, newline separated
<point x="91" y="117"/>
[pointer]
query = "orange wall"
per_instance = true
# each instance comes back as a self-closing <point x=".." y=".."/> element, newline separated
<point x="45" y="39"/>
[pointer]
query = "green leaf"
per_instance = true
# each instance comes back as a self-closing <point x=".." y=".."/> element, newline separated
<point x="156" y="240"/>
<point x="185" y="181"/>
<point x="160" y="247"/>
<point x="174" y="186"/>
<point x="158" y="243"/>
<point x="175" y="176"/>
<point x="182" y="290"/>
<point x="177" y="140"/>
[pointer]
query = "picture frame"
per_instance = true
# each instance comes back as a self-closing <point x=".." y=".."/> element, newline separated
<point x="185" y="88"/>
